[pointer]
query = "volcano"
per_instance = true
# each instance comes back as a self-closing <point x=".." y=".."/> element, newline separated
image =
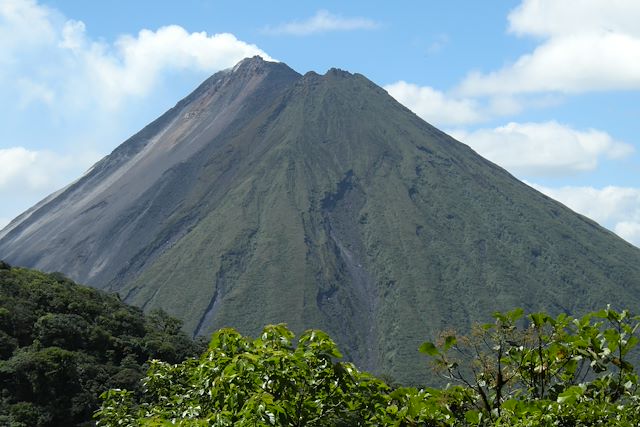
<point x="267" y="196"/>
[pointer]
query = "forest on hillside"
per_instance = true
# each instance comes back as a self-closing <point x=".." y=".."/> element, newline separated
<point x="74" y="356"/>
<point x="62" y="345"/>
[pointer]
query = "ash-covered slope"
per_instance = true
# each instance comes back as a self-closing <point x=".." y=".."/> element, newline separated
<point x="321" y="202"/>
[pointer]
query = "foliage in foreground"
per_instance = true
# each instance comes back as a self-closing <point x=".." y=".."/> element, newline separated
<point x="266" y="381"/>
<point x="524" y="371"/>
<point x="62" y="345"/>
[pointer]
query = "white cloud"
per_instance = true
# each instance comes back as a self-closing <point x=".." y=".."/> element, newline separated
<point x="31" y="92"/>
<point x="13" y="161"/>
<point x="546" y="18"/>
<point x="133" y="65"/>
<point x="547" y="148"/>
<point x="33" y="171"/>
<point x="322" y="22"/>
<point x="588" y="45"/>
<point x="435" y="106"/>
<point x="630" y="231"/>
<point x="27" y="176"/>
<point x="617" y="208"/>
<point x="450" y="109"/>
<point x="54" y="59"/>
<point x="23" y="26"/>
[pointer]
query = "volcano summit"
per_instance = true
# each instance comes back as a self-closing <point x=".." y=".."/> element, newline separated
<point x="266" y="196"/>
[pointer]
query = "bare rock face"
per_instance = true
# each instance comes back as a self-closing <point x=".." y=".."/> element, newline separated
<point x="317" y="200"/>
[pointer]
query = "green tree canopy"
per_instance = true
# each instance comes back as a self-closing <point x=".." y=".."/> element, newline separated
<point x="533" y="370"/>
<point x="62" y="344"/>
<point x="264" y="381"/>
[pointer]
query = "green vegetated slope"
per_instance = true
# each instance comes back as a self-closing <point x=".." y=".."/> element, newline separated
<point x="348" y="213"/>
<point x="62" y="344"/>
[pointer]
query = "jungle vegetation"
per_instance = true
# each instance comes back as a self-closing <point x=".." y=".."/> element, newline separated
<point x="62" y="345"/>
<point x="534" y="370"/>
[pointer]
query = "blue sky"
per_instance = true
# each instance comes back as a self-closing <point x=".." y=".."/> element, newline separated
<point x="548" y="89"/>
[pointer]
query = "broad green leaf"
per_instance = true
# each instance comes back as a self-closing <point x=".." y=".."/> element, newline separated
<point x="473" y="416"/>
<point x="449" y="342"/>
<point x="429" y="348"/>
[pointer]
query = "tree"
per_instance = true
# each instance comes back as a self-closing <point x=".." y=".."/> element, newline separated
<point x="62" y="345"/>
<point x="540" y="369"/>
<point x="266" y="381"/>
<point x="518" y="371"/>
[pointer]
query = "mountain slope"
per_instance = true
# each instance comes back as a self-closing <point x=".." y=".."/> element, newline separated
<point x="325" y="203"/>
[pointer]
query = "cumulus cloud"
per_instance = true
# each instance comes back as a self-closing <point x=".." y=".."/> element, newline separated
<point x="547" y="148"/>
<point x="27" y="176"/>
<point x="13" y="161"/>
<point x="546" y="18"/>
<point x="33" y="92"/>
<point x="33" y="170"/>
<point x="587" y="45"/>
<point x="23" y="26"/>
<point x="630" y="231"/>
<point x="133" y="65"/>
<point x="323" y="21"/>
<point x="617" y="208"/>
<point x="54" y="60"/>
<point x="435" y="106"/>
<point x="448" y="109"/>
